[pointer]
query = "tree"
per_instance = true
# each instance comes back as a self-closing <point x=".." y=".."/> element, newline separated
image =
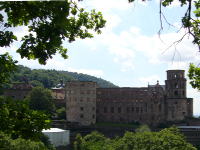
<point x="18" y="120"/>
<point x="191" y="23"/>
<point x="7" y="66"/>
<point x="194" y="76"/>
<point x="49" y="24"/>
<point x="41" y="99"/>
<point x="93" y="141"/>
<point x="7" y="143"/>
<point x="166" y="139"/>
<point x="143" y="128"/>
<point x="190" y="20"/>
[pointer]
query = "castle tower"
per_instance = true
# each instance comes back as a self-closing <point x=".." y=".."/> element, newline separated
<point x="80" y="99"/>
<point x="176" y="84"/>
<point x="178" y="106"/>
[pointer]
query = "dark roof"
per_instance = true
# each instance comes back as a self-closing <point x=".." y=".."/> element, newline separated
<point x="22" y="86"/>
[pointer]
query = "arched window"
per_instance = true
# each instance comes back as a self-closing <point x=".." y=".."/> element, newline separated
<point x="176" y="85"/>
<point x="175" y="93"/>
<point x="183" y="93"/>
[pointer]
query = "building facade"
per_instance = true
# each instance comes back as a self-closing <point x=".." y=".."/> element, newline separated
<point x="58" y="95"/>
<point x="81" y="102"/>
<point x="149" y="105"/>
<point x="18" y="91"/>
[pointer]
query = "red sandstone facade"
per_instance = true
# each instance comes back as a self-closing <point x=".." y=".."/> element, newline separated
<point x="149" y="105"/>
<point x="18" y="91"/>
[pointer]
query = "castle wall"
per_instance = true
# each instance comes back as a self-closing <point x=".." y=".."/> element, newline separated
<point x="58" y="95"/>
<point x="177" y="109"/>
<point x="190" y="107"/>
<point x="19" y="91"/>
<point x="81" y="102"/>
<point x="151" y="105"/>
<point x="178" y="105"/>
<point x="127" y="105"/>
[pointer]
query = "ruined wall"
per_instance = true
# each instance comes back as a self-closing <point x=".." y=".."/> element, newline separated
<point x="19" y="91"/>
<point x="177" y="104"/>
<point x="81" y="102"/>
<point x="127" y="105"/>
<point x="58" y="95"/>
<point x="151" y="105"/>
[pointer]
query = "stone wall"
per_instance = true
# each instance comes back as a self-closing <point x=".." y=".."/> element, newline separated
<point x="126" y="105"/>
<point x="151" y="105"/>
<point x="81" y="102"/>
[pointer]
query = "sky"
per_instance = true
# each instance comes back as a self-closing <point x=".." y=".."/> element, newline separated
<point x="129" y="52"/>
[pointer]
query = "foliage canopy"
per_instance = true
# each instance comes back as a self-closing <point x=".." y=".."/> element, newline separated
<point x="49" y="24"/>
<point x="19" y="121"/>
<point x="41" y="99"/>
<point x="7" y="143"/>
<point x="166" y="139"/>
<point x="52" y="78"/>
<point x="190" y="21"/>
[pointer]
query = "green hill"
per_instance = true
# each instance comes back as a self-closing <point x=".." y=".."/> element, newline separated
<point x="51" y="78"/>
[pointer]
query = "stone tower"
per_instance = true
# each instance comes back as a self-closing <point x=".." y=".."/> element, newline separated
<point x="178" y="106"/>
<point x="80" y="99"/>
<point x="176" y="84"/>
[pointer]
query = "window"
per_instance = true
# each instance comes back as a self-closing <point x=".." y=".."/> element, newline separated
<point x="133" y="109"/>
<point x="81" y="108"/>
<point x="175" y="93"/>
<point x="81" y="116"/>
<point x="93" y="116"/>
<point x="183" y="93"/>
<point x="137" y="109"/>
<point x="159" y="107"/>
<point x="176" y="85"/>
<point x="105" y="109"/>
<point x="119" y="110"/>
<point x="127" y="109"/>
<point x="112" y="109"/>
<point x="93" y="108"/>
<point x="81" y="99"/>
<point x="82" y="92"/>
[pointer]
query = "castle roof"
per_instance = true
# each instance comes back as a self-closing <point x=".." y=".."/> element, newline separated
<point x="22" y="86"/>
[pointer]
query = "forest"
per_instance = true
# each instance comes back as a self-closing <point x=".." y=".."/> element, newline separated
<point x="52" y="78"/>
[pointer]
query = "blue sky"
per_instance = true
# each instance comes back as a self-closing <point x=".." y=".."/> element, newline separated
<point x="129" y="51"/>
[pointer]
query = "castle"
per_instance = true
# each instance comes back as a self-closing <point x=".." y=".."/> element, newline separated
<point x="87" y="104"/>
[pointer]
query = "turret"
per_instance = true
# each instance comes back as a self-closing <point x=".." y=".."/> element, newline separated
<point x="176" y="84"/>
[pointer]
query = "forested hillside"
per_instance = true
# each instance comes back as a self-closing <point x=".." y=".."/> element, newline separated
<point x="51" y="78"/>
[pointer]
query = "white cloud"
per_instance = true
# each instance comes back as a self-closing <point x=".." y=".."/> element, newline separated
<point x="151" y="80"/>
<point x="107" y="6"/>
<point x="123" y="56"/>
<point x="124" y="46"/>
<point x="196" y="101"/>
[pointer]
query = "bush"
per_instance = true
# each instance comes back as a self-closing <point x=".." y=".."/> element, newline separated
<point x="166" y="139"/>
<point x="44" y="139"/>
<point x="7" y="143"/>
<point x="61" y="113"/>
